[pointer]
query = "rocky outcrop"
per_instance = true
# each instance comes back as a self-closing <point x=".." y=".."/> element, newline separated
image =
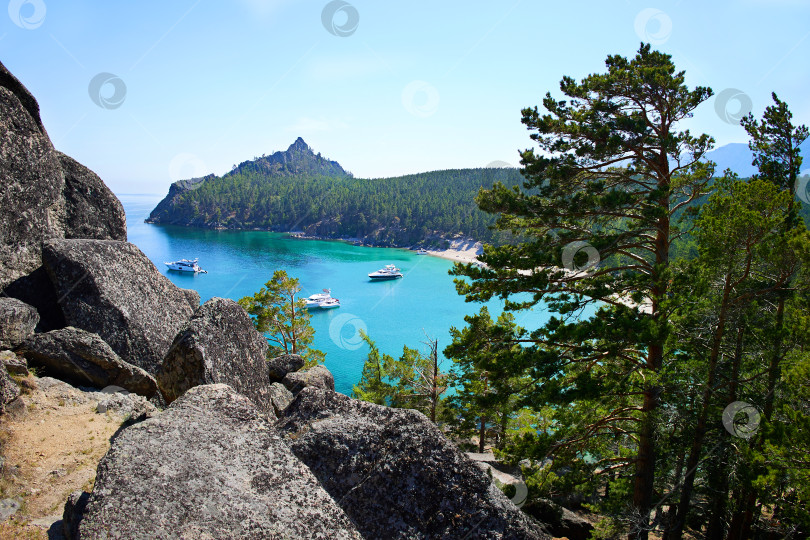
<point x="112" y="289"/>
<point x="84" y="358"/>
<point x="280" y="398"/>
<point x="317" y="376"/>
<point x="32" y="181"/>
<point x="9" y="390"/>
<point x="45" y="194"/>
<point x="91" y="209"/>
<point x="279" y="366"/>
<point x="395" y="474"/>
<point x="193" y="297"/>
<point x="15" y="365"/>
<point x="210" y="466"/>
<point x="297" y="161"/>
<point x="219" y="345"/>
<point x="17" y="321"/>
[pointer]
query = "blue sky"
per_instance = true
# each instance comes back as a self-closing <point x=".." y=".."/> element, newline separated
<point x="385" y="88"/>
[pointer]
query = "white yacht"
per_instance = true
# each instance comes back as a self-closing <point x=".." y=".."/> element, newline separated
<point x="322" y="300"/>
<point x="186" y="265"/>
<point x="329" y="303"/>
<point x="389" y="272"/>
<point x="421" y="251"/>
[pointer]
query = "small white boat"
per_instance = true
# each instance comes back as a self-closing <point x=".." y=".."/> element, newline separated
<point x="186" y="265"/>
<point x="322" y="300"/>
<point x="421" y="251"/>
<point x="316" y="299"/>
<point x="389" y="272"/>
<point x="329" y="304"/>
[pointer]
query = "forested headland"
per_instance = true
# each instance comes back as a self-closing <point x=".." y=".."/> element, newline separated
<point x="297" y="190"/>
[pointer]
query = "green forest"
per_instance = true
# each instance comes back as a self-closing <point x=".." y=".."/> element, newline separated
<point x="418" y="209"/>
<point x="681" y="408"/>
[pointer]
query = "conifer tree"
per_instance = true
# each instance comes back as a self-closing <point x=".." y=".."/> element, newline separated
<point x="613" y="172"/>
<point x="280" y="315"/>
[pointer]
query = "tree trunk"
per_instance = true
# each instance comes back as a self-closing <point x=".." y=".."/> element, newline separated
<point x="700" y="430"/>
<point x="482" y="433"/>
<point x="746" y="512"/>
<point x="716" y="528"/>
<point x="644" y="481"/>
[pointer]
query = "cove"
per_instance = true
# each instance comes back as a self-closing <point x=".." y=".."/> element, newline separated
<point x="394" y="313"/>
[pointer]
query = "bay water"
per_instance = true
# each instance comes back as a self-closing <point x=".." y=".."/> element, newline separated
<point x="407" y="311"/>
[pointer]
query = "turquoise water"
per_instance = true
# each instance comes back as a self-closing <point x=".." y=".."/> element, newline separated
<point x="394" y="313"/>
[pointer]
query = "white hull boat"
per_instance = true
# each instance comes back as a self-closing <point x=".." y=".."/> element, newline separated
<point x="186" y="265"/>
<point x="322" y="300"/>
<point x="389" y="272"/>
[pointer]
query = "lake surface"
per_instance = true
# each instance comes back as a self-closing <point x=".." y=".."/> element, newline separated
<point x="394" y="313"/>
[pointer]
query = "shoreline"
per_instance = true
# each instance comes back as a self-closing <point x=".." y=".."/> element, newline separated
<point x="466" y="256"/>
<point x="460" y="250"/>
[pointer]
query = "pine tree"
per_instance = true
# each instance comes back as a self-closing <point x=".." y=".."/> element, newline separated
<point x="282" y="318"/>
<point x="613" y="173"/>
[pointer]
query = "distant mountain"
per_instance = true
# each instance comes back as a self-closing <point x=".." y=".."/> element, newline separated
<point x="738" y="158"/>
<point x="298" y="159"/>
<point x="297" y="190"/>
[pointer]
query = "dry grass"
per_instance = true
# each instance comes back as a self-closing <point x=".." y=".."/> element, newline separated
<point x="53" y="450"/>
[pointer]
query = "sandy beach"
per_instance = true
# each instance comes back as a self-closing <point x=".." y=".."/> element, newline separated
<point x="463" y="251"/>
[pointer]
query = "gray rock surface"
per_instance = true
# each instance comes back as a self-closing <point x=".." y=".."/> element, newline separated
<point x="9" y="390"/>
<point x="112" y="289"/>
<point x="84" y="358"/>
<point x="17" y="321"/>
<point x="15" y="365"/>
<point x="395" y="474"/>
<point x="45" y="194"/>
<point x="107" y="401"/>
<point x="218" y="345"/>
<point x="91" y="209"/>
<point x="32" y="182"/>
<point x="279" y="366"/>
<point x="193" y="297"/>
<point x="131" y="406"/>
<point x="318" y="377"/>
<point x="210" y="466"/>
<point x="8" y="507"/>
<point x="280" y="398"/>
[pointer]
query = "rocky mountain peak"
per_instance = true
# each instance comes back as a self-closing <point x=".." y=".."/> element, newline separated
<point x="300" y="146"/>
